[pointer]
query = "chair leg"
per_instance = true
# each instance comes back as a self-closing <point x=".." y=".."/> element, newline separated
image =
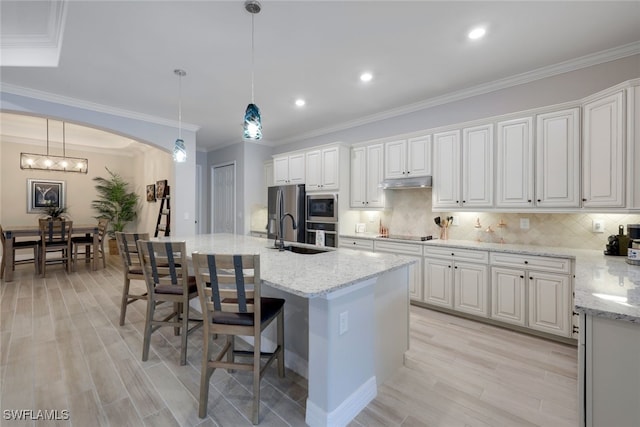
<point x="280" y="340"/>
<point x="205" y="375"/>
<point x="185" y="332"/>
<point x="147" y="329"/>
<point x="104" y="259"/>
<point x="255" y="412"/>
<point x="125" y="300"/>
<point x="177" y="309"/>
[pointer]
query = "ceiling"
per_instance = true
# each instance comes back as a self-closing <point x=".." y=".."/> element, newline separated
<point x="122" y="55"/>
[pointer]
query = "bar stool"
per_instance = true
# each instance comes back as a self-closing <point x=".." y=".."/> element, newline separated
<point x="128" y="248"/>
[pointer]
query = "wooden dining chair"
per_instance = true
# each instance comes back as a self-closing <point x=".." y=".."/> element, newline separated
<point x="55" y="237"/>
<point x="33" y="245"/>
<point x="229" y="292"/>
<point x="86" y="242"/>
<point x="165" y="269"/>
<point x="128" y="248"/>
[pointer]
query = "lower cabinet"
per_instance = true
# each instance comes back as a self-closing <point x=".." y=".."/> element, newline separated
<point x="508" y="295"/>
<point x="470" y="288"/>
<point x="412" y="250"/>
<point x="438" y="282"/>
<point x="549" y="309"/>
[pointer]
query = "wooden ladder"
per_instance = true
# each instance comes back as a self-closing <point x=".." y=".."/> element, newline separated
<point x="164" y="212"/>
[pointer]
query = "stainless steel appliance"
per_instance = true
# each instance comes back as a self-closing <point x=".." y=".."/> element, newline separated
<point x="322" y="220"/>
<point x="282" y="200"/>
<point x="633" y="252"/>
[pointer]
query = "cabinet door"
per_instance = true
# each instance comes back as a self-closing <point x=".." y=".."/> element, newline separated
<point x="415" y="280"/>
<point x="508" y="295"/>
<point x="446" y="170"/>
<point x="330" y="169"/>
<point x="419" y="156"/>
<point x="514" y="166"/>
<point x="375" y="161"/>
<point x="549" y="303"/>
<point x="395" y="154"/>
<point x="296" y="168"/>
<point x="603" y="176"/>
<point x="470" y="287"/>
<point x="477" y="166"/>
<point x="557" y="159"/>
<point x="438" y="278"/>
<point x="358" y="177"/>
<point x="313" y="179"/>
<point x="281" y="170"/>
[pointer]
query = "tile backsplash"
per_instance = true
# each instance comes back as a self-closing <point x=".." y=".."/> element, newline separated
<point x="410" y="213"/>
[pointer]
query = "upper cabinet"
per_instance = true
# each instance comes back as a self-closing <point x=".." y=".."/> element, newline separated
<point x="463" y="171"/>
<point x="323" y="169"/>
<point x="289" y="169"/>
<point x="558" y="159"/>
<point x="514" y="163"/>
<point x="603" y="150"/>
<point x="408" y="157"/>
<point x="366" y="175"/>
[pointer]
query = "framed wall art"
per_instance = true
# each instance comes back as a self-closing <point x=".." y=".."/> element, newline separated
<point x="161" y="188"/>
<point x="43" y="194"/>
<point x="151" y="193"/>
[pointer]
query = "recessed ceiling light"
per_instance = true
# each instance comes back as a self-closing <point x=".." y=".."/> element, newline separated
<point x="300" y="102"/>
<point x="477" y="33"/>
<point x="366" y="77"/>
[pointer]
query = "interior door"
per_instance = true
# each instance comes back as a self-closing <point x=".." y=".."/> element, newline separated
<point x="223" y="198"/>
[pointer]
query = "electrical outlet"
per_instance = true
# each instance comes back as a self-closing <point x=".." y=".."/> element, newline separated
<point x="344" y="322"/>
<point x="524" y="223"/>
<point x="455" y="221"/>
<point x="598" y="226"/>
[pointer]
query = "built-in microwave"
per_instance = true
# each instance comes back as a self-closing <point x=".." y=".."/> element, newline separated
<point x="322" y="207"/>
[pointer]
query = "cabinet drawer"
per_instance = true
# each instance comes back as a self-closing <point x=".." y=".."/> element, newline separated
<point x="353" y="243"/>
<point x="457" y="254"/>
<point x="532" y="262"/>
<point x="398" y="248"/>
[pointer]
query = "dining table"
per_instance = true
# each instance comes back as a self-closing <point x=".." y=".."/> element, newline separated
<point x="12" y="232"/>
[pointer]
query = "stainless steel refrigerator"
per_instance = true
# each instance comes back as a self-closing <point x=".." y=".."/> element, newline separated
<point x="287" y="199"/>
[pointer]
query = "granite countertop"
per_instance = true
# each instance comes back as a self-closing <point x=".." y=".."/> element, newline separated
<point x="605" y="286"/>
<point x="308" y="276"/>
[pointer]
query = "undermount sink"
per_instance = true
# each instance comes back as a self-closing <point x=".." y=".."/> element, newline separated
<point x="302" y="250"/>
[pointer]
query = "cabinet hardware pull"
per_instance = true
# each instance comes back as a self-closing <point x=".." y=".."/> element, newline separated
<point x="530" y="278"/>
<point x="584" y="200"/>
<point x="529" y="200"/>
<point x="522" y="277"/>
<point x="539" y="200"/>
<point x="526" y="262"/>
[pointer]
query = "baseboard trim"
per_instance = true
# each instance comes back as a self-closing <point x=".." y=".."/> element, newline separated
<point x="346" y="411"/>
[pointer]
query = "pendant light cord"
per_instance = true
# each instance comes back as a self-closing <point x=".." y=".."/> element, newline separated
<point x="180" y="106"/>
<point x="252" y="57"/>
<point x="47" y="137"/>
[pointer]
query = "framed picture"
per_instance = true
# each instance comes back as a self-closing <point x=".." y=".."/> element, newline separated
<point x="161" y="188"/>
<point x="43" y="194"/>
<point x="151" y="193"/>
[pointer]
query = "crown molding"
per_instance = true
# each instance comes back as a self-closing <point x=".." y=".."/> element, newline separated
<point x="86" y="105"/>
<point x="585" y="61"/>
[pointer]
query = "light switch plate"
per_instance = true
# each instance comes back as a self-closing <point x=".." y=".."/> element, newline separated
<point x="524" y="223"/>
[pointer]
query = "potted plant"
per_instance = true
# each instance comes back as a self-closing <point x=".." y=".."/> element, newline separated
<point x="116" y="203"/>
<point x="55" y="212"/>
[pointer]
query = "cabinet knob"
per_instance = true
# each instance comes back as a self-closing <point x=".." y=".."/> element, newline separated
<point x="529" y="200"/>
<point x="464" y="201"/>
<point x="522" y="277"/>
<point x="530" y="278"/>
<point x="539" y="200"/>
<point x="526" y="262"/>
<point x="456" y="267"/>
<point x="449" y="266"/>
<point x="584" y="200"/>
<point x="408" y="172"/>
<point x="452" y="254"/>
<point x="457" y="201"/>
<point x="354" y="243"/>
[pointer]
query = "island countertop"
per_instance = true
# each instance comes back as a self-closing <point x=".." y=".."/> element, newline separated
<point x="308" y="276"/>
<point x="605" y="286"/>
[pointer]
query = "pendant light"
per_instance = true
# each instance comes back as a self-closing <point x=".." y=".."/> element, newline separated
<point x="179" y="150"/>
<point x="252" y="120"/>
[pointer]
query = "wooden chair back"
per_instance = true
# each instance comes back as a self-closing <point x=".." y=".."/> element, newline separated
<point x="164" y="264"/>
<point x="128" y="248"/>
<point x="228" y="283"/>
<point x="55" y="232"/>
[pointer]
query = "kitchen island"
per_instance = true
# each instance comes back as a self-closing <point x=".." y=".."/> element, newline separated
<point x="346" y="318"/>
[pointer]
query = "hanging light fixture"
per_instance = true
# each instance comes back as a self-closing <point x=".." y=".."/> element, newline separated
<point x="50" y="162"/>
<point x="179" y="150"/>
<point x="252" y="121"/>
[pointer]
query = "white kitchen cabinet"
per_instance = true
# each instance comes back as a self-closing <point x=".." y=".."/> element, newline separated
<point x="323" y="169"/>
<point x="366" y="175"/>
<point x="356" y="243"/>
<point x="408" y="157"/>
<point x="446" y="170"/>
<point x="541" y="284"/>
<point x="558" y="159"/>
<point x="633" y="146"/>
<point x="477" y="166"/>
<point x="415" y="271"/>
<point x="456" y="278"/>
<point x="549" y="309"/>
<point x="603" y="152"/>
<point x="508" y="295"/>
<point x="289" y="169"/>
<point x="514" y="163"/>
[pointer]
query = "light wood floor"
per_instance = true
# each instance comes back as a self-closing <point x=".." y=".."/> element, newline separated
<point x="61" y="348"/>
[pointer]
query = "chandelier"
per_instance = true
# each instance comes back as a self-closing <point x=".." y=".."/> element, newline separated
<point x="50" y="162"/>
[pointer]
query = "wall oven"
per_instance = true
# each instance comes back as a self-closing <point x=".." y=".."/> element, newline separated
<point x="329" y="231"/>
<point x="322" y="207"/>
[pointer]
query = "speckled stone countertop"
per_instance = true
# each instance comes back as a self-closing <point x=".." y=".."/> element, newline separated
<point x="605" y="286"/>
<point x="308" y="276"/>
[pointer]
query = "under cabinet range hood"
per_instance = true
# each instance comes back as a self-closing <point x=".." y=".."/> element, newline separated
<point x="402" y="183"/>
